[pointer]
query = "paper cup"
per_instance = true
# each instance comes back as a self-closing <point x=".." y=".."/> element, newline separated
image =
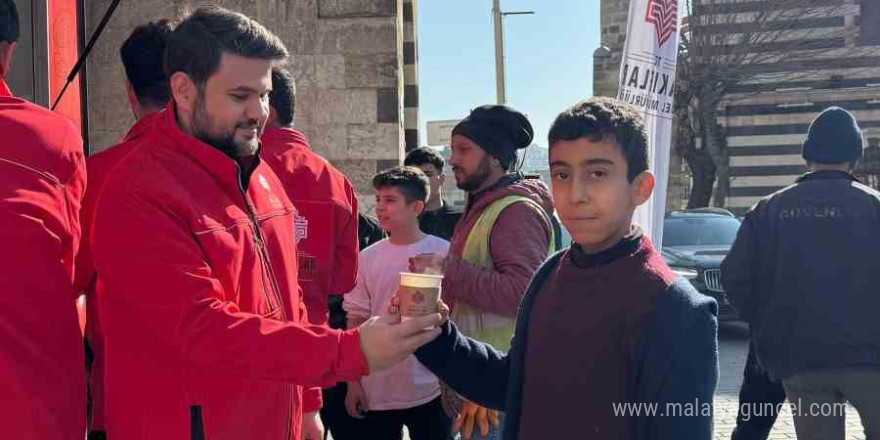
<point x="418" y="294"/>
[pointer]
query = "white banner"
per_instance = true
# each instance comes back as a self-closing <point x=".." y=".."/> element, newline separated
<point x="647" y="80"/>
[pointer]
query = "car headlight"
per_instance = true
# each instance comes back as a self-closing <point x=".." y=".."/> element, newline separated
<point x="688" y="274"/>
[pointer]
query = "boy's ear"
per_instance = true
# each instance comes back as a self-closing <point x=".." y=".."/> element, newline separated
<point x="642" y="187"/>
<point x="419" y="207"/>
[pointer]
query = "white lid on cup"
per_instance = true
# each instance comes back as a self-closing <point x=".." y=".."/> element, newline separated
<point x="420" y="280"/>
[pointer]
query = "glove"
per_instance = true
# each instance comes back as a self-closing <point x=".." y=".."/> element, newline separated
<point x="475" y="415"/>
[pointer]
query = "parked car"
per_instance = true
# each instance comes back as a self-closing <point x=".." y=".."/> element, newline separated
<point x="694" y="244"/>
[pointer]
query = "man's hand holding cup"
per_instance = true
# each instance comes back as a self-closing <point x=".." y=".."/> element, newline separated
<point x="386" y="341"/>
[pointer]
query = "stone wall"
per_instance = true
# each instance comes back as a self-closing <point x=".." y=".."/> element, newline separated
<point x="346" y="55"/>
<point x="411" y="74"/>
<point x="606" y="59"/>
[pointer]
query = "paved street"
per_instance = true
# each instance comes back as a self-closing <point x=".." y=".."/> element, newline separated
<point x="733" y="340"/>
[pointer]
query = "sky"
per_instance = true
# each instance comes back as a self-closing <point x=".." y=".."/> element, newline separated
<point x="549" y="58"/>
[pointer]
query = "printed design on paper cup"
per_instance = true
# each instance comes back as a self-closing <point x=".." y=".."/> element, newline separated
<point x="418" y="298"/>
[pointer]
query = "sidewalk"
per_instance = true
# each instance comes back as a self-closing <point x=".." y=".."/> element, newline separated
<point x="733" y="346"/>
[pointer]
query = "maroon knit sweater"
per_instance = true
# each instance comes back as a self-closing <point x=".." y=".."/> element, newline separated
<point x="584" y="330"/>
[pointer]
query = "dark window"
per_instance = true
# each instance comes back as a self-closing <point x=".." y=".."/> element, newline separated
<point x="870" y="23"/>
<point x="707" y="231"/>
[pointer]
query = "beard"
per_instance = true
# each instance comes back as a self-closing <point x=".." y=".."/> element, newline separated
<point x="472" y="182"/>
<point x="205" y="131"/>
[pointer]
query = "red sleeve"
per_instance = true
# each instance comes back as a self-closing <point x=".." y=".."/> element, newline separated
<point x="85" y="267"/>
<point x="312" y="400"/>
<point x="155" y="271"/>
<point x="519" y="243"/>
<point x="346" y="254"/>
<point x="75" y="189"/>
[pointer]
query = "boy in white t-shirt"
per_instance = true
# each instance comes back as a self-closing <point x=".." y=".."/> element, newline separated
<point x="406" y="394"/>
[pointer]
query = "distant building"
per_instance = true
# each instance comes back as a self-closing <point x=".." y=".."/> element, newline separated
<point x="767" y="117"/>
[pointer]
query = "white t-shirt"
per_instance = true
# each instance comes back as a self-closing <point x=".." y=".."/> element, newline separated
<point x="408" y="384"/>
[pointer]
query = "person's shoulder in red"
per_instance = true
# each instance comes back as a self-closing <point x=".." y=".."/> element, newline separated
<point x="100" y="164"/>
<point x="24" y="124"/>
<point x="289" y="154"/>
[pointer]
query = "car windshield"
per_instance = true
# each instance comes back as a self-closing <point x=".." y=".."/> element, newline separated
<point x="700" y="231"/>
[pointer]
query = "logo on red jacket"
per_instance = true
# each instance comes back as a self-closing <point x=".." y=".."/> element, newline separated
<point x="264" y="182"/>
<point x="663" y="14"/>
<point x="300" y="227"/>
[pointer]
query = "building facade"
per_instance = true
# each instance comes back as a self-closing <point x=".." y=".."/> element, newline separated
<point x="766" y="117"/>
<point x="355" y="62"/>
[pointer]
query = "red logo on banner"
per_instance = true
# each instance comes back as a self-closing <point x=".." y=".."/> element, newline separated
<point x="664" y="15"/>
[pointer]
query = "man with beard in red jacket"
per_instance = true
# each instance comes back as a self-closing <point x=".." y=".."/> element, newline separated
<point x="326" y="220"/>
<point x="205" y="331"/>
<point x="42" y="179"/>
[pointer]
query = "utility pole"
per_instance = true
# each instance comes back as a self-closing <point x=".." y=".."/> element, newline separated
<point x="500" y="79"/>
<point x="500" y="93"/>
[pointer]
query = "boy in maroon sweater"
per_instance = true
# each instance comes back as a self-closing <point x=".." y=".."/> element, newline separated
<point x="603" y="324"/>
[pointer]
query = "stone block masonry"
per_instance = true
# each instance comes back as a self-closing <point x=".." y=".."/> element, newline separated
<point x="355" y="62"/>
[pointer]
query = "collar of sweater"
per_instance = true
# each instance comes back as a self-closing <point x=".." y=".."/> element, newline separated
<point x="626" y="246"/>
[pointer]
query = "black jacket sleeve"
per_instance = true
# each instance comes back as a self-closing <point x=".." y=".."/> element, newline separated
<point x="472" y="368"/>
<point x="687" y="394"/>
<point x="740" y="270"/>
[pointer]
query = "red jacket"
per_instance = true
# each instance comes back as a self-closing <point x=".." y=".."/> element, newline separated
<point x="42" y="179"/>
<point x="202" y="317"/>
<point x="326" y="225"/>
<point x="99" y="167"/>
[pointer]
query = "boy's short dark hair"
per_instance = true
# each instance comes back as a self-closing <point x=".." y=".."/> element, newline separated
<point x="608" y="119"/>
<point x="282" y="98"/>
<point x="143" y="56"/>
<point x="411" y="181"/>
<point x="423" y="156"/>
<point x="199" y="41"/>
<point x="9" y="30"/>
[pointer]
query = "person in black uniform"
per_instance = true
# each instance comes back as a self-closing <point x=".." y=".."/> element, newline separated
<point x="803" y="273"/>
<point x="439" y="218"/>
